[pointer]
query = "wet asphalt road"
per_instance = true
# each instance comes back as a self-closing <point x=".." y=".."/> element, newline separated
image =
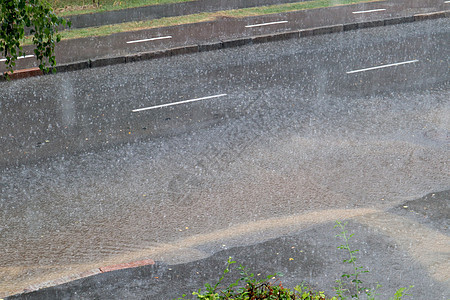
<point x="204" y="33"/>
<point x="87" y="182"/>
<point x="304" y="253"/>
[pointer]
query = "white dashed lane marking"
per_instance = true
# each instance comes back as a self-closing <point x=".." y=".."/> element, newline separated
<point x="266" y="24"/>
<point x="383" y="66"/>
<point x="368" y="11"/>
<point x="150" y="39"/>
<point x="180" y="102"/>
<point x="21" y="57"/>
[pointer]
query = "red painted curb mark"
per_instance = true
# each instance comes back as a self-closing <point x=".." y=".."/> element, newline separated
<point x="25" y="73"/>
<point x="134" y="264"/>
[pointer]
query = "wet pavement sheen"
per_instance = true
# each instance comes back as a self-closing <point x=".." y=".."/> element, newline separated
<point x="93" y="184"/>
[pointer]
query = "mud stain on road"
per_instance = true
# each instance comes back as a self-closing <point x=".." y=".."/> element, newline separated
<point x="180" y="251"/>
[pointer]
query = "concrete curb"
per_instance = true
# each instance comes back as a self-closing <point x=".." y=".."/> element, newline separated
<point x="237" y="42"/>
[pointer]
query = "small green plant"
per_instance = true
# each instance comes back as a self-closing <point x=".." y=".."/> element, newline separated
<point x="401" y="292"/>
<point x="247" y="287"/>
<point x="357" y="270"/>
<point x="341" y="289"/>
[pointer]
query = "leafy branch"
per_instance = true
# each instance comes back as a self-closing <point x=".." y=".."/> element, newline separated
<point x="36" y="16"/>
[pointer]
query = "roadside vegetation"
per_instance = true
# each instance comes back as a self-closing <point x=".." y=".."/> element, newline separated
<point x="45" y="34"/>
<point x="37" y="16"/>
<point x="77" y="7"/>
<point x="201" y="17"/>
<point x="349" y="286"/>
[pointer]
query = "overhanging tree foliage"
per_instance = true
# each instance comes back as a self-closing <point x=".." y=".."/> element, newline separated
<point x="36" y="16"/>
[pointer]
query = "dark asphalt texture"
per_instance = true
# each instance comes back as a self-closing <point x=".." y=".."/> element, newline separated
<point x="383" y="133"/>
<point x="56" y="122"/>
<point x="310" y="256"/>
<point x="331" y="144"/>
<point x="432" y="210"/>
<point x="79" y="53"/>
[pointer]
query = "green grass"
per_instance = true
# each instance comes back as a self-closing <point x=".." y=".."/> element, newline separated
<point x="202" y="17"/>
<point x="274" y="9"/>
<point x="65" y="8"/>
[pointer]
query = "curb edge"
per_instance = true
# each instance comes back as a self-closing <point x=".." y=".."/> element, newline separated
<point x="232" y="43"/>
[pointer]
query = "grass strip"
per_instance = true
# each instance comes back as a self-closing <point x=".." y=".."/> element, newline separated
<point x="288" y="7"/>
<point x="201" y="17"/>
<point x="64" y="8"/>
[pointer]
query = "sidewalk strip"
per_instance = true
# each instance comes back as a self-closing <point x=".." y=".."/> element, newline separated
<point x="368" y="11"/>
<point x="176" y="103"/>
<point x="383" y="66"/>
<point x="151" y="39"/>
<point x="265" y="24"/>
<point x="25" y="56"/>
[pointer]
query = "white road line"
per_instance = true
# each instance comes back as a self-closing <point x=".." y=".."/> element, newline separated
<point x="151" y="39"/>
<point x="446" y="1"/>
<point x="176" y="103"/>
<point x="368" y="11"/>
<point x="383" y="66"/>
<point x="20" y="57"/>
<point x="265" y="24"/>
